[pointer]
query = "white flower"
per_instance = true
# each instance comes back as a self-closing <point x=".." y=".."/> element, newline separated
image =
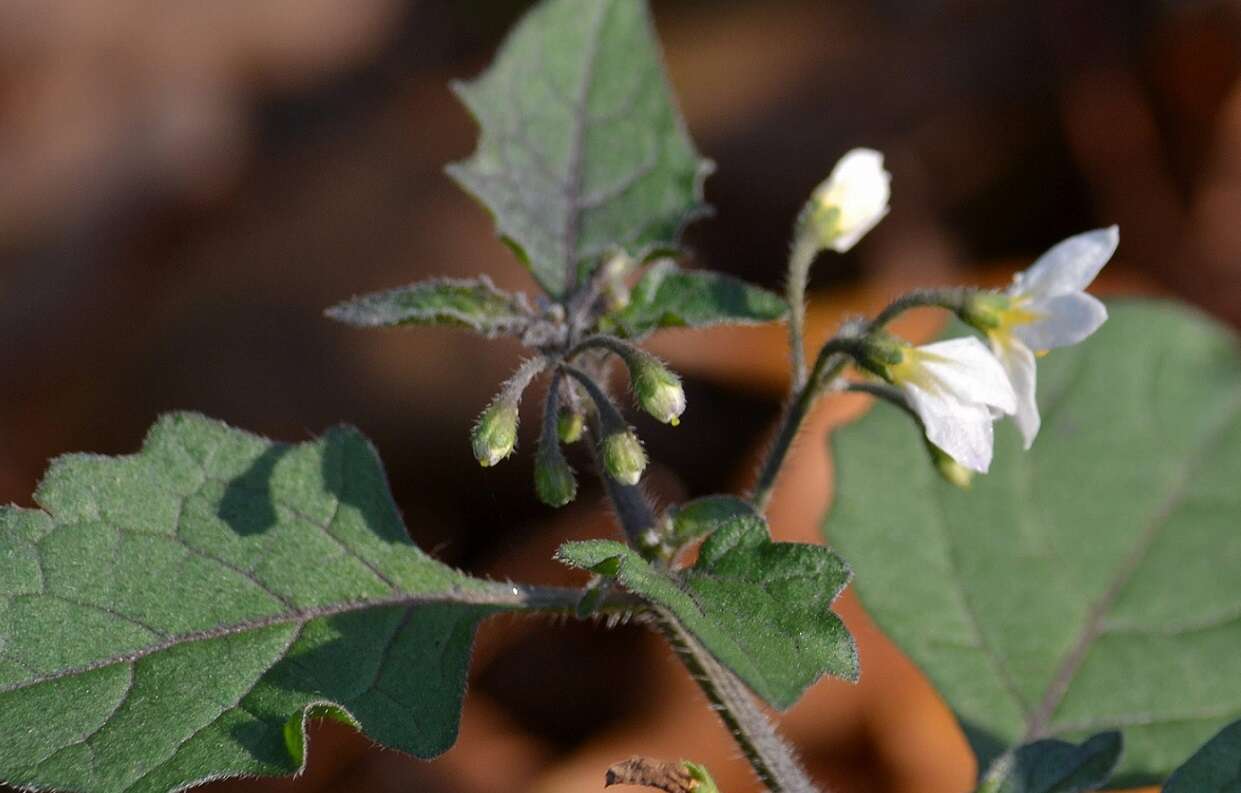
<point x="1046" y="308"/>
<point x="851" y="201"/>
<point x="957" y="388"/>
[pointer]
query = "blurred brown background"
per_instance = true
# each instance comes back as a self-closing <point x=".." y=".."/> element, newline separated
<point x="185" y="185"/>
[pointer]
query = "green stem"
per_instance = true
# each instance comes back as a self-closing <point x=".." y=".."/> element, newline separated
<point x="832" y="359"/>
<point x="772" y="759"/>
<point x="953" y="299"/>
<point x="801" y="256"/>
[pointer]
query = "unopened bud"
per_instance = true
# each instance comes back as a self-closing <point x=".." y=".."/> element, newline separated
<point x="569" y="426"/>
<point x="495" y="434"/>
<point x="952" y="471"/>
<point x="623" y="457"/>
<point x="659" y="390"/>
<point x="849" y="202"/>
<point x="553" y="478"/>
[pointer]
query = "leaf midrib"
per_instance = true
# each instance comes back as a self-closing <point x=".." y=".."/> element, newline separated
<point x="1037" y="723"/>
<point x="577" y="144"/>
<point x="483" y="593"/>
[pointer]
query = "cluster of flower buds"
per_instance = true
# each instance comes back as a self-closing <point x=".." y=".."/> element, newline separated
<point x="657" y="390"/>
<point x="959" y="388"/>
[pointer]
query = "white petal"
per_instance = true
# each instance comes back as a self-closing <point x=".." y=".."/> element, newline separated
<point x="859" y="189"/>
<point x="1069" y="266"/>
<point x="1066" y="319"/>
<point x="963" y="430"/>
<point x="1018" y="361"/>
<point x="967" y="370"/>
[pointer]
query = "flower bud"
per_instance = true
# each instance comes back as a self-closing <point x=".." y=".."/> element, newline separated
<point x="849" y="202"/>
<point x="569" y="425"/>
<point x="495" y="433"/>
<point x="952" y="471"/>
<point x="659" y="390"/>
<point x="553" y="478"/>
<point x="623" y="457"/>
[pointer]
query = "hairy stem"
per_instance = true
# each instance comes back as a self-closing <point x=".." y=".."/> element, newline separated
<point x="801" y="256"/>
<point x="772" y="759"/>
<point x="952" y="299"/>
<point x="832" y="359"/>
<point x="632" y="509"/>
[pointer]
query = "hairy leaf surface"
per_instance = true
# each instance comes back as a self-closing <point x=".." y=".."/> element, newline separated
<point x="668" y="297"/>
<point x="1215" y="768"/>
<point x="473" y="303"/>
<point x="761" y="608"/>
<point x="178" y="614"/>
<point x="582" y="149"/>
<point x="1089" y="584"/>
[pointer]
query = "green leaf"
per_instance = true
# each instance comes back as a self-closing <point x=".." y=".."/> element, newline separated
<point x="669" y="297"/>
<point x="1052" y="766"/>
<point x="179" y="614"/>
<point x="761" y="608"/>
<point x="582" y="150"/>
<point x="703" y="516"/>
<point x="467" y="303"/>
<point x="1090" y="583"/>
<point x="1215" y="768"/>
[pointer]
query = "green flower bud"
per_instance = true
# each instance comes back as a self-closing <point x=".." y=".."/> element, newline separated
<point x="495" y="434"/>
<point x="659" y="390"/>
<point x="569" y="426"/>
<point x="553" y="478"/>
<point x="623" y="457"/>
<point x="952" y="471"/>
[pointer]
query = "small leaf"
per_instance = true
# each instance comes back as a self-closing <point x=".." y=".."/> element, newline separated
<point x="761" y="608"/>
<point x="180" y="614"/>
<point x="1052" y="766"/>
<point x="467" y="303"/>
<point x="1089" y="584"/>
<point x="668" y="297"/>
<point x="703" y="516"/>
<point x="1215" y="768"/>
<point x="582" y="149"/>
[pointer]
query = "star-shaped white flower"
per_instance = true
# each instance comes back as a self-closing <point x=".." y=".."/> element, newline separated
<point x="957" y="388"/>
<point x="1046" y="307"/>
<point x="851" y="200"/>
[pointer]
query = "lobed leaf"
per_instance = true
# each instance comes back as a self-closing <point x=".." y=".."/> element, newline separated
<point x="468" y="303"/>
<point x="1088" y="584"/>
<point x="581" y="148"/>
<point x="761" y="608"/>
<point x="1051" y="766"/>
<point x="179" y="614"/>
<point x="1215" y="768"/>
<point x="668" y="297"/>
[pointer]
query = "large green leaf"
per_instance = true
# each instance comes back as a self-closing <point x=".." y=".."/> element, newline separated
<point x="473" y="303"/>
<point x="1215" y="768"/>
<point x="1090" y="583"/>
<point x="668" y="297"/>
<point x="582" y="149"/>
<point x="761" y="608"/>
<point x="178" y="614"/>
<point x="1051" y="766"/>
